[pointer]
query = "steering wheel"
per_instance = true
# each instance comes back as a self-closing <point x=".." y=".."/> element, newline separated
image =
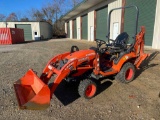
<point x="74" y="49"/>
<point x="100" y="43"/>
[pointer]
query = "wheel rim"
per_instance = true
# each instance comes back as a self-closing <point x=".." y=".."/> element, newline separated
<point x="129" y="74"/>
<point x="90" y="91"/>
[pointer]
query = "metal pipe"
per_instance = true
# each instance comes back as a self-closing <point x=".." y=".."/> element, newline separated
<point x="136" y="22"/>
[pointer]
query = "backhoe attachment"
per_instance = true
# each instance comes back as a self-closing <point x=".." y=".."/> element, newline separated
<point x="139" y="48"/>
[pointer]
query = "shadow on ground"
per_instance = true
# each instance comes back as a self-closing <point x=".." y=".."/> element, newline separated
<point x="145" y="64"/>
<point x="106" y="83"/>
<point x="68" y="92"/>
<point x="33" y="41"/>
<point x="44" y="40"/>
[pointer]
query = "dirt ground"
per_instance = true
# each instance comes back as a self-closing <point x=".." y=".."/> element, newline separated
<point x="137" y="100"/>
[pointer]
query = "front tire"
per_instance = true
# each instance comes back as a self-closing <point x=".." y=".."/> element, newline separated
<point x="127" y="73"/>
<point x="87" y="88"/>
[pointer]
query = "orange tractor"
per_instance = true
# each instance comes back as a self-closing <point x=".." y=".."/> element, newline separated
<point x="111" y="58"/>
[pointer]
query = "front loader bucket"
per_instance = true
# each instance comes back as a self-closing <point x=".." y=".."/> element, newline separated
<point x="31" y="92"/>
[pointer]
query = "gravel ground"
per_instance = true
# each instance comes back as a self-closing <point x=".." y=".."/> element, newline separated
<point x="138" y="100"/>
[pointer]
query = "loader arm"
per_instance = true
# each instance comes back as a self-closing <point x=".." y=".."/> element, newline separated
<point x="45" y="76"/>
<point x="33" y="92"/>
<point x="60" y="74"/>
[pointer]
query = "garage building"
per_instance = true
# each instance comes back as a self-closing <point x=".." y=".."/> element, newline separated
<point x="32" y="30"/>
<point x="88" y="20"/>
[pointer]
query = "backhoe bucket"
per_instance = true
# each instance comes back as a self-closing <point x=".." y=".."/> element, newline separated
<point x="31" y="92"/>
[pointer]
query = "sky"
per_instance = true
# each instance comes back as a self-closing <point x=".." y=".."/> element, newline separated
<point x="21" y="6"/>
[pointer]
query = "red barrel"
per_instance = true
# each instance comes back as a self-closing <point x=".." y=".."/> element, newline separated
<point x="11" y="36"/>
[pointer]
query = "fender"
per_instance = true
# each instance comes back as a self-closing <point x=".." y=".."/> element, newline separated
<point x="124" y="59"/>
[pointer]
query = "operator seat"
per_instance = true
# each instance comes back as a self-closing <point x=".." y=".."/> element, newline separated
<point x="120" y="43"/>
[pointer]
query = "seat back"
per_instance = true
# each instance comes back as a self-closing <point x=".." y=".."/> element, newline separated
<point x="122" y="39"/>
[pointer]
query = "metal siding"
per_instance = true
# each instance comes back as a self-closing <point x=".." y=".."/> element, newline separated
<point x="116" y="16"/>
<point x="85" y="27"/>
<point x="91" y="24"/>
<point x="146" y="18"/>
<point x="101" y="23"/>
<point x="156" y="40"/>
<point x="78" y="27"/>
<point x="27" y="31"/>
<point x="45" y="30"/>
<point x="68" y="30"/>
<point x="71" y="28"/>
<point x="75" y="29"/>
<point x="65" y="27"/>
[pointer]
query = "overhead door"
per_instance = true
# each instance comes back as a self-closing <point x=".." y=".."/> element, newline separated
<point x="27" y="31"/>
<point x="85" y="27"/>
<point x="68" y="30"/>
<point x="101" y="23"/>
<point x="74" y="29"/>
<point x="146" y="18"/>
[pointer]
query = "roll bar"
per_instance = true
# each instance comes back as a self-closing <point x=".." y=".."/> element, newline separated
<point x="136" y="22"/>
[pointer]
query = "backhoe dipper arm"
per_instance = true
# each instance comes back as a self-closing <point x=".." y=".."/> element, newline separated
<point x="139" y="48"/>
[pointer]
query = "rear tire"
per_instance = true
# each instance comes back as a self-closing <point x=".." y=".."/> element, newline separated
<point x="127" y="73"/>
<point x="87" y="88"/>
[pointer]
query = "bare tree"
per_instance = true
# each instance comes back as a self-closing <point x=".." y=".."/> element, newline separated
<point x="58" y="24"/>
<point x="2" y="17"/>
<point x="20" y="15"/>
<point x="61" y="8"/>
<point x="49" y="12"/>
<point x="75" y="2"/>
<point x="58" y="28"/>
<point x="58" y="7"/>
<point x="52" y="12"/>
<point x="12" y="17"/>
<point x="24" y="19"/>
<point x="36" y="15"/>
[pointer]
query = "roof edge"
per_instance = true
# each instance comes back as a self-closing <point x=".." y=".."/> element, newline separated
<point x="73" y="8"/>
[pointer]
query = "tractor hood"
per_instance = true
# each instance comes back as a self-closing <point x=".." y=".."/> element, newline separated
<point x="82" y="55"/>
